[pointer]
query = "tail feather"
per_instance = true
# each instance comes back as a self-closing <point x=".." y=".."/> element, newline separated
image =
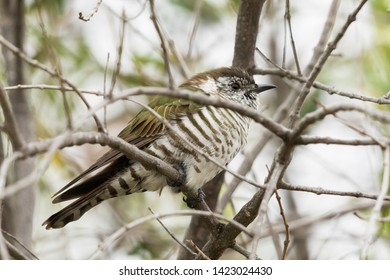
<point x="73" y="211"/>
<point x="93" y="182"/>
<point x="89" y="193"/>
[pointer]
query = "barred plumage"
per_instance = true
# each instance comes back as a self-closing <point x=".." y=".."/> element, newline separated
<point x="219" y="133"/>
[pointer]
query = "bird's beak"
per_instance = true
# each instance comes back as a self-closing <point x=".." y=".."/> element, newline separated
<point x="261" y="88"/>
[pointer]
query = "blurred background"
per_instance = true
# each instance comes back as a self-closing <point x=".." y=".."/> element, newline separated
<point x="202" y="33"/>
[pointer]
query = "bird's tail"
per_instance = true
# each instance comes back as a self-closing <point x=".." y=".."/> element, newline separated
<point x="88" y="193"/>
<point x="73" y="211"/>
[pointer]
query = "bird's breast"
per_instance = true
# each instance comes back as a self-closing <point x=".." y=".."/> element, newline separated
<point x="199" y="140"/>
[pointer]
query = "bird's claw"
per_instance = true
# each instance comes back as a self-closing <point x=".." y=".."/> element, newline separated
<point x="194" y="201"/>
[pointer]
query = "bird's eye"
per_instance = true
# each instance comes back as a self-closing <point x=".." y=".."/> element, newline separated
<point x="235" y="85"/>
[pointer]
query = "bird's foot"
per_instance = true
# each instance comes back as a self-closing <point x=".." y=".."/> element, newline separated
<point x="192" y="202"/>
<point x="182" y="177"/>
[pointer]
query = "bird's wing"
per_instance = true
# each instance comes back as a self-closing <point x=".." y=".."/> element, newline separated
<point x="141" y="131"/>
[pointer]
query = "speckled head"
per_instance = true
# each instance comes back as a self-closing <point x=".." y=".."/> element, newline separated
<point x="230" y="83"/>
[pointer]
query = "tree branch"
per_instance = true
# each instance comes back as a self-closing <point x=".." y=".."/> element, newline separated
<point x="376" y="211"/>
<point x="291" y="75"/>
<point x="246" y="33"/>
<point x="156" y="24"/>
<point x="10" y="125"/>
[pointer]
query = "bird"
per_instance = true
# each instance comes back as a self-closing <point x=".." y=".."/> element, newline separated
<point x="218" y="132"/>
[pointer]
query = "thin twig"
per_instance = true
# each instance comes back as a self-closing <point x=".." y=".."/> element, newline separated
<point x="270" y="187"/>
<point x="197" y="13"/>
<point x="287" y="16"/>
<point x="16" y="248"/>
<point x="281" y="68"/>
<point x="183" y="68"/>
<point x="311" y="139"/>
<point x="53" y="87"/>
<point x="285" y="73"/>
<point x="275" y="238"/>
<point x="105" y="88"/>
<point x="243" y="251"/>
<point x="4" y="254"/>
<point x="156" y="24"/>
<point x="375" y="214"/>
<point x="198" y="250"/>
<point x="119" y="55"/>
<point x="10" y="124"/>
<point x="325" y="34"/>
<point x="171" y="234"/>
<point x="287" y="231"/>
<point x="322" y="191"/>
<point x="93" y="12"/>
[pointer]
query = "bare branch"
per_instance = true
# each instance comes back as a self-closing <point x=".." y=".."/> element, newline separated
<point x="52" y="87"/>
<point x="287" y="232"/>
<point x="246" y="33"/>
<point x="321" y="191"/>
<point x="275" y="174"/>
<point x="156" y="24"/>
<point x="197" y="13"/>
<point x="198" y="250"/>
<point x="326" y="31"/>
<point x="375" y="214"/>
<point x="10" y="122"/>
<point x="90" y="15"/>
<point x="310" y="139"/>
<point x="243" y="251"/>
<point x="284" y="73"/>
<point x="184" y="246"/>
<point x="16" y="249"/>
<point x="287" y="17"/>
<point x="119" y="57"/>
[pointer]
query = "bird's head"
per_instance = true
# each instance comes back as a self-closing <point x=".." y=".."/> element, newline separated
<point x="230" y="83"/>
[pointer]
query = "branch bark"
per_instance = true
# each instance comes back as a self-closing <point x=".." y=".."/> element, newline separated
<point x="246" y="33"/>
